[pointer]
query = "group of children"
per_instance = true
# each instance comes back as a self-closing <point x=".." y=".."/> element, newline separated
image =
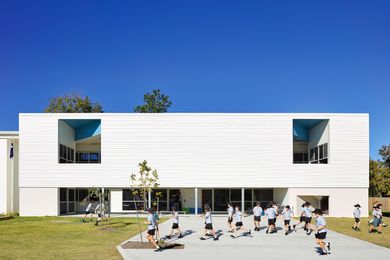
<point x="94" y="207"/>
<point x="235" y="214"/>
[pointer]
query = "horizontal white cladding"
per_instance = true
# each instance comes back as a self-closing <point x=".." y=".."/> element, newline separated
<point x="196" y="150"/>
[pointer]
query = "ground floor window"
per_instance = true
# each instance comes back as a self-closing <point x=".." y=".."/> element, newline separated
<point x="67" y="201"/>
<point x="160" y="199"/>
<point x="132" y="201"/>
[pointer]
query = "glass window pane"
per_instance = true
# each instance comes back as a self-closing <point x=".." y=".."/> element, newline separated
<point x="325" y="150"/>
<point x="321" y="148"/>
<point x="221" y="198"/>
<point x="71" y="207"/>
<point x="316" y="153"/>
<point x="82" y="194"/>
<point x="235" y="194"/>
<point x="71" y="195"/>
<point x="63" y="194"/>
<point x="248" y="194"/>
<point x="63" y="207"/>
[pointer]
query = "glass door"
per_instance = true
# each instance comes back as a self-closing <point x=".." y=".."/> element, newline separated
<point x="207" y="198"/>
<point x="71" y="201"/>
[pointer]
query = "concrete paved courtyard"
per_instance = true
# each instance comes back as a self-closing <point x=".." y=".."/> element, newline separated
<point x="296" y="245"/>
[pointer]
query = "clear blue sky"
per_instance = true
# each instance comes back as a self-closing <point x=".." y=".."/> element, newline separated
<point x="208" y="56"/>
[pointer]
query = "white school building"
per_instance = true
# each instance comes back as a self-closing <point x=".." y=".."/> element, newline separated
<point x="201" y="158"/>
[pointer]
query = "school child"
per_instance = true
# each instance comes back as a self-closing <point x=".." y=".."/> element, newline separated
<point x="99" y="210"/>
<point x="320" y="231"/>
<point x="307" y="212"/>
<point x="88" y="210"/>
<point x="151" y="222"/>
<point x="356" y="215"/>
<point x="230" y="212"/>
<point x="157" y="217"/>
<point x="276" y="213"/>
<point x="257" y="211"/>
<point x="208" y="225"/>
<point x="239" y="225"/>
<point x="380" y="210"/>
<point x="301" y="218"/>
<point x="175" y="223"/>
<point x="287" y="215"/>
<point x="377" y="220"/>
<point x="271" y="214"/>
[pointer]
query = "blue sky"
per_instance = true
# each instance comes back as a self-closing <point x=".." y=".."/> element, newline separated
<point x="208" y="56"/>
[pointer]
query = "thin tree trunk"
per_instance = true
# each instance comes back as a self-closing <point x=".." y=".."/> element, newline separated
<point x="139" y="225"/>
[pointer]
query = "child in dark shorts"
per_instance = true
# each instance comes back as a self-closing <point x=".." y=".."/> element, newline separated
<point x="151" y="222"/>
<point x="239" y="225"/>
<point x="175" y="223"/>
<point x="208" y="225"/>
<point x="320" y="231"/>
<point x="287" y="215"/>
<point x="356" y="215"/>
<point x="230" y="211"/>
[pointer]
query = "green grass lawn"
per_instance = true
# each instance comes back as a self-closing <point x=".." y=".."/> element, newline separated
<point x="63" y="238"/>
<point x="344" y="225"/>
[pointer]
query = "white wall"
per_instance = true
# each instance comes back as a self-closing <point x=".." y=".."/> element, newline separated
<point x="66" y="135"/>
<point x="319" y="134"/>
<point x="341" y="200"/>
<point x="116" y="200"/>
<point x="3" y="176"/>
<point x="196" y="150"/>
<point x="39" y="202"/>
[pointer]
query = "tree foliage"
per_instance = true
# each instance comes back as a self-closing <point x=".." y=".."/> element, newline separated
<point x="154" y="102"/>
<point x="73" y="103"/>
<point x="379" y="179"/>
<point x="385" y="153"/>
<point x="144" y="181"/>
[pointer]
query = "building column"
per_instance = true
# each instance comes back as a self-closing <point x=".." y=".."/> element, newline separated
<point x="196" y="201"/>
<point x="242" y="200"/>
<point x="149" y="199"/>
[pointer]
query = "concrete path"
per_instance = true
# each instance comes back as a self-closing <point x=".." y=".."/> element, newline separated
<point x="296" y="245"/>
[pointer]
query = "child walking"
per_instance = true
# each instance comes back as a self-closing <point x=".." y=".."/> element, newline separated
<point x="257" y="211"/>
<point x="208" y="225"/>
<point x="356" y="215"/>
<point x="377" y="221"/>
<point x="151" y="222"/>
<point x="230" y="212"/>
<point x="307" y="212"/>
<point x="239" y="225"/>
<point x="175" y="223"/>
<point x="320" y="229"/>
<point x="271" y="215"/>
<point x="287" y="215"/>
<point x="99" y="210"/>
<point x="88" y="210"/>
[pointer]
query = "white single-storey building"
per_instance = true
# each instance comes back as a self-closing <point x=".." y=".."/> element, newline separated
<point x="201" y="158"/>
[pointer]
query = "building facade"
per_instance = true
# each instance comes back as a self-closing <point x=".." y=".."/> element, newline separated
<point x="200" y="158"/>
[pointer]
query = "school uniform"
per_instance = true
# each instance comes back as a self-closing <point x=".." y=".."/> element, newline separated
<point x="152" y="222"/>
<point x="302" y="217"/>
<point x="239" y="219"/>
<point x="230" y="211"/>
<point x="287" y="214"/>
<point x="377" y="214"/>
<point x="307" y="212"/>
<point x="89" y="209"/>
<point x="257" y="211"/>
<point x="321" y="234"/>
<point x="175" y="220"/>
<point x="356" y="215"/>
<point x="271" y="215"/>
<point x="209" y="221"/>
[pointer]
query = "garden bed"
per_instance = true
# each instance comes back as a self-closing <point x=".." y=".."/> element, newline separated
<point x="147" y="245"/>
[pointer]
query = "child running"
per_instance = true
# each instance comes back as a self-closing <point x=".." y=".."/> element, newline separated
<point x="307" y="212"/>
<point x="287" y="215"/>
<point x="301" y="218"/>
<point x="88" y="210"/>
<point x="209" y="225"/>
<point x="157" y="217"/>
<point x="257" y="211"/>
<point x="377" y="214"/>
<point x="99" y="210"/>
<point x="230" y="211"/>
<point x="320" y="229"/>
<point x="151" y="222"/>
<point x="271" y="215"/>
<point x="239" y="225"/>
<point x="175" y="223"/>
<point x="356" y="215"/>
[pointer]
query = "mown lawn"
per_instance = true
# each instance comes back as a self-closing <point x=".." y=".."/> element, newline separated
<point x="63" y="238"/>
<point x="344" y="225"/>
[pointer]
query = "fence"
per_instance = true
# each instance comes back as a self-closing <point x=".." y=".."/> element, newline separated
<point x="384" y="201"/>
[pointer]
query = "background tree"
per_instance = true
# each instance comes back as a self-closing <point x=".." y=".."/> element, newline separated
<point x="379" y="179"/>
<point x="385" y="153"/>
<point x="142" y="183"/>
<point x="73" y="103"/>
<point x="154" y="102"/>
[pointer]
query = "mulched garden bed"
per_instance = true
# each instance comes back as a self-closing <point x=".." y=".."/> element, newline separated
<point x="147" y="245"/>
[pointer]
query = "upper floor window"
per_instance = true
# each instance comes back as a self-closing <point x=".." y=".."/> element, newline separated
<point x="79" y="141"/>
<point x="310" y="141"/>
